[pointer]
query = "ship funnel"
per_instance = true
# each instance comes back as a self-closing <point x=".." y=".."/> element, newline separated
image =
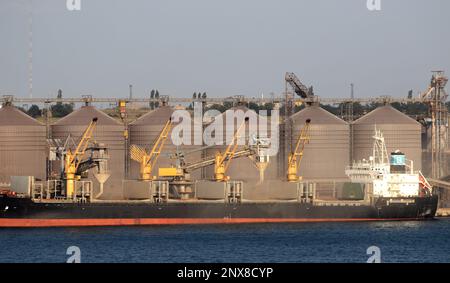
<point x="101" y="178"/>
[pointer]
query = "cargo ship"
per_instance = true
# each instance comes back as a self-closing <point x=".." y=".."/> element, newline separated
<point x="381" y="188"/>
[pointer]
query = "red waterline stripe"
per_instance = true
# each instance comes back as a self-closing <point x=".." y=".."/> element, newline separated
<point x="12" y="222"/>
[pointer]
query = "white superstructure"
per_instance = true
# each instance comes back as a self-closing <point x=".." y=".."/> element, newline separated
<point x="404" y="182"/>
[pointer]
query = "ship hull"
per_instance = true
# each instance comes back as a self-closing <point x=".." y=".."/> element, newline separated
<point x="21" y="212"/>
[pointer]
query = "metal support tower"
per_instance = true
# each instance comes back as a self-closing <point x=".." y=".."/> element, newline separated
<point x="30" y="50"/>
<point x="350" y="120"/>
<point x="436" y="97"/>
<point x="287" y="126"/>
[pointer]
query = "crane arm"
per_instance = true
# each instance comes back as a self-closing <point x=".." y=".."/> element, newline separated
<point x="148" y="159"/>
<point x="211" y="160"/>
<point x="426" y="95"/>
<point x="83" y="144"/>
<point x="223" y="160"/>
<point x="159" y="144"/>
<point x="299" y="88"/>
<point x="72" y="160"/>
<point x="296" y="156"/>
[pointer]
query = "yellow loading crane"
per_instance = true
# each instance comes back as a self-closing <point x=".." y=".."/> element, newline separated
<point x="146" y="160"/>
<point x="73" y="159"/>
<point x="296" y="155"/>
<point x="223" y="160"/>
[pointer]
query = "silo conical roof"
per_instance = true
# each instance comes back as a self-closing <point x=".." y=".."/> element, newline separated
<point x="145" y="130"/>
<point x="11" y="116"/>
<point x="318" y="115"/>
<point x="109" y="132"/>
<point x="243" y="168"/>
<point x="84" y="115"/>
<point x="261" y="119"/>
<point x="22" y="145"/>
<point x="156" y="117"/>
<point x="386" y="115"/>
<point x="328" y="151"/>
<point x="399" y="131"/>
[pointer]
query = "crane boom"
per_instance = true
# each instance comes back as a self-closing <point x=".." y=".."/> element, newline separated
<point x="299" y="88"/>
<point x="212" y="160"/>
<point x="223" y="160"/>
<point x="296" y="155"/>
<point x="148" y="160"/>
<point x="74" y="159"/>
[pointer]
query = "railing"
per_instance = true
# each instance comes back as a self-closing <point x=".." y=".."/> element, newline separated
<point x="5" y="185"/>
<point x="330" y="193"/>
<point x="53" y="190"/>
<point x="234" y="191"/>
<point x="306" y="192"/>
<point x="160" y="191"/>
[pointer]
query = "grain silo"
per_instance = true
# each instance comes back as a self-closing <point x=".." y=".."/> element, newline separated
<point x="108" y="131"/>
<point x="328" y="152"/>
<point x="243" y="168"/>
<point x="146" y="129"/>
<point x="399" y="131"/>
<point x="22" y="145"/>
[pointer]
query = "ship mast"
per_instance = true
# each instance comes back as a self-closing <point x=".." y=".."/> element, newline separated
<point x="379" y="151"/>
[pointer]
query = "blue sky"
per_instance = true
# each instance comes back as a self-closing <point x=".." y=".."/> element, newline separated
<point x="223" y="47"/>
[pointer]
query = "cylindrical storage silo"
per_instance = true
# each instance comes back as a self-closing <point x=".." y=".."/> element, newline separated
<point x="22" y="145"/>
<point x="146" y="129"/>
<point x="257" y="126"/>
<point x="328" y="152"/>
<point x="108" y="131"/>
<point x="399" y="130"/>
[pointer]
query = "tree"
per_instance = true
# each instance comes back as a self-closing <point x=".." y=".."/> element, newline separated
<point x="157" y="97"/>
<point x="60" y="110"/>
<point x="152" y="95"/>
<point x="218" y="107"/>
<point x="34" y="111"/>
<point x="253" y="106"/>
<point x="268" y="107"/>
<point x="410" y="94"/>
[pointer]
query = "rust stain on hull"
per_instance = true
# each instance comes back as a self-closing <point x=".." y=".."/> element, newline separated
<point x="23" y="223"/>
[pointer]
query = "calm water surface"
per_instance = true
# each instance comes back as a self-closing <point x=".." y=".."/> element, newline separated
<point x="426" y="241"/>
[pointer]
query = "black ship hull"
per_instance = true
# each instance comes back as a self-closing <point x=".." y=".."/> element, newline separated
<point x="22" y="212"/>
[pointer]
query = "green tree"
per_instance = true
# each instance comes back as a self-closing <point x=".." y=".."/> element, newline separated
<point x="157" y="97"/>
<point x="60" y="110"/>
<point x="34" y="111"/>
<point x="152" y="95"/>
<point x="253" y="106"/>
<point x="218" y="107"/>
